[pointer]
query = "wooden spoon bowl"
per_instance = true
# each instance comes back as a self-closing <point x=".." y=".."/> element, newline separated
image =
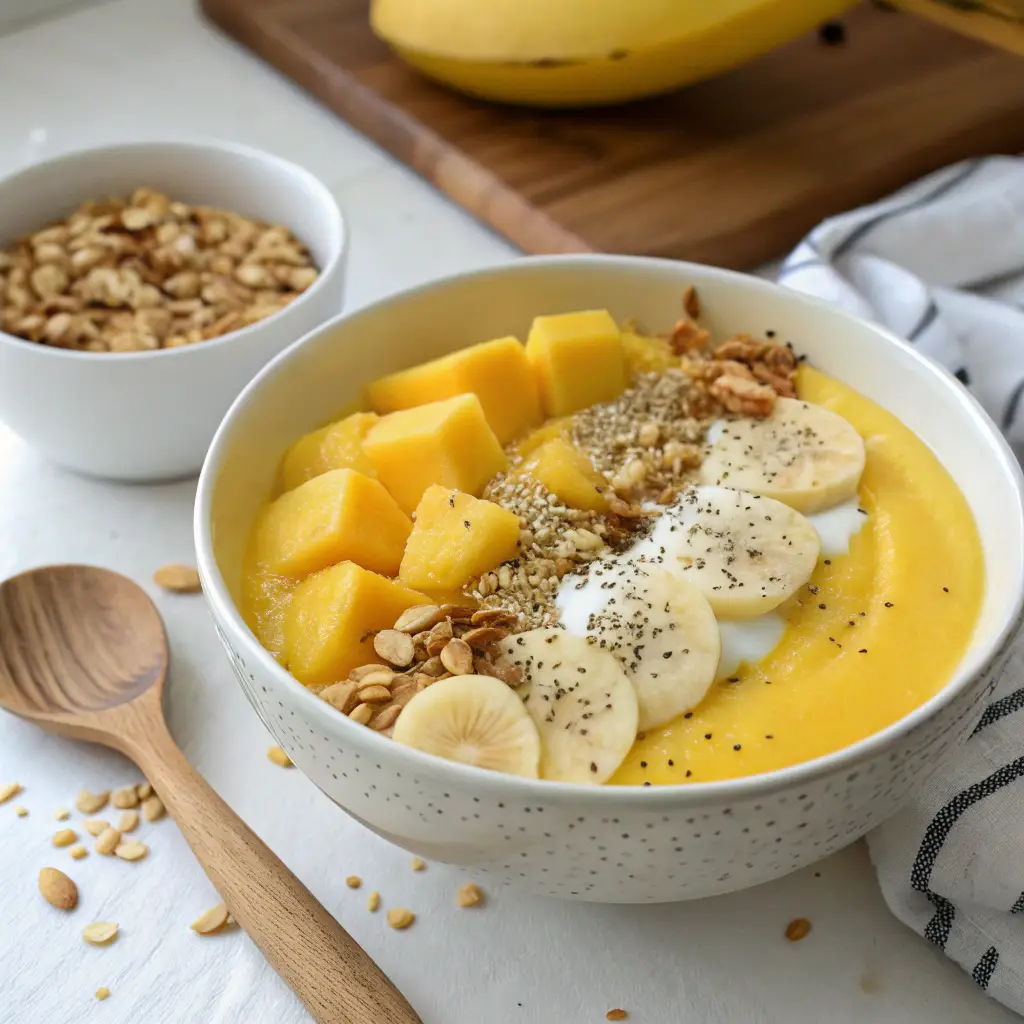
<point x="83" y="653"/>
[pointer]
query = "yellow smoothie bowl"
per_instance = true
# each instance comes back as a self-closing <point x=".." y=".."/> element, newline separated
<point x="588" y="54"/>
<point x="621" y="843"/>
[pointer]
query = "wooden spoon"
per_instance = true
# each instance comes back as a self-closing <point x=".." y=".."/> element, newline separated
<point x="83" y="653"/>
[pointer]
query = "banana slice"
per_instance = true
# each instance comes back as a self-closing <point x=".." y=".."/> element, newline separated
<point x="477" y="720"/>
<point x="658" y="625"/>
<point x="584" y="706"/>
<point x="804" y="455"/>
<point x="745" y="553"/>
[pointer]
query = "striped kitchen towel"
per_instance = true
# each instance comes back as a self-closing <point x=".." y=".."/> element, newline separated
<point x="942" y="264"/>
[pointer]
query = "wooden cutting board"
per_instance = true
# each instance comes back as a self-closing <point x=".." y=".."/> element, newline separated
<point x="732" y="171"/>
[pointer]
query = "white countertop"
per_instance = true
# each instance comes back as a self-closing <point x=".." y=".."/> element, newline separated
<point x="131" y="69"/>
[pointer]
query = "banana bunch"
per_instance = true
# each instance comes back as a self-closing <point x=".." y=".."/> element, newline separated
<point x="572" y="53"/>
<point x="644" y="642"/>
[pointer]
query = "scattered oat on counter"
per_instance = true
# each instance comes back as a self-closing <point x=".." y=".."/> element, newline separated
<point x="178" y="579"/>
<point x="798" y="929"/>
<point x="145" y="272"/>
<point x="99" y="933"/>
<point x="58" y="890"/>
<point x="616" y="1015"/>
<point x="21" y="812"/>
<point x="418" y="864"/>
<point x="61" y="814"/>
<point x="95" y="826"/>
<point x="78" y="851"/>
<point x="400" y="918"/>
<point x="90" y="803"/>
<point x="64" y="837"/>
<point x="373" y="902"/>
<point x="211" y="921"/>
<point x="8" y="790"/>
<point x="153" y="808"/>
<point x="125" y="799"/>
<point x="470" y="895"/>
<point x="279" y="757"/>
<point x="108" y="841"/>
<point x="145" y="790"/>
<point x="354" y="882"/>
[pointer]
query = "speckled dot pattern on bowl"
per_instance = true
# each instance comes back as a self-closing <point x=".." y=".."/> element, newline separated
<point x="608" y="844"/>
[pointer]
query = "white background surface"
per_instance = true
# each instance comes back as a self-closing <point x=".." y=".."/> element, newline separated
<point x="144" y="68"/>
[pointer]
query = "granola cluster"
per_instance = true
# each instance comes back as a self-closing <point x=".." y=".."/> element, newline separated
<point x="146" y="272"/>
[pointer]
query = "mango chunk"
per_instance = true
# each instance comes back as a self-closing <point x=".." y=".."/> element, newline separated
<point x="333" y="613"/>
<point x="265" y="596"/>
<point x="647" y="355"/>
<point x="578" y="360"/>
<point x="567" y="473"/>
<point x="338" y="516"/>
<point x="497" y="372"/>
<point x="456" y="537"/>
<point x="336" y="446"/>
<point x="447" y="443"/>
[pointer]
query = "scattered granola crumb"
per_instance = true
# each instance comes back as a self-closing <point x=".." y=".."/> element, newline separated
<point x="102" y="992"/>
<point x="418" y="864"/>
<point x="78" y="851"/>
<point x="61" y="814"/>
<point x="279" y="757"/>
<point x="9" y="790"/>
<point x="64" y="837"/>
<point x="354" y="882"/>
<point x="470" y="895"/>
<point x="178" y="579"/>
<point x="798" y="929"/>
<point x="616" y="1015"/>
<point x="99" y="933"/>
<point x="373" y="902"/>
<point x="211" y="921"/>
<point x="399" y="918"/>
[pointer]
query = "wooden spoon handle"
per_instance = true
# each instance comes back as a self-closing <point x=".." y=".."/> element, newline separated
<point x="332" y="975"/>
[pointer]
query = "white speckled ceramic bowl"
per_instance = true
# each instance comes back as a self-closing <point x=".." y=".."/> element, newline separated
<point x="607" y="844"/>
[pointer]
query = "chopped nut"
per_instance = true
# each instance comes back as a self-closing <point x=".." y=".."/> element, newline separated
<point x="78" y="851"/>
<point x="457" y="657"/>
<point x="798" y="929"/>
<point x="102" y="993"/>
<point x="211" y="921"/>
<point x="382" y="677"/>
<point x="279" y="757"/>
<point x="95" y="826"/>
<point x="374" y="694"/>
<point x="8" y="790"/>
<point x="61" y="814"/>
<point x="64" y="837"/>
<point x="153" y="808"/>
<point x="362" y="714"/>
<point x="386" y="718"/>
<point x="21" y="812"/>
<point x="616" y="1015"/>
<point x="179" y="579"/>
<point x="418" y="864"/>
<point x="744" y="397"/>
<point x="399" y="918"/>
<point x="131" y="850"/>
<point x="341" y="696"/>
<point x="125" y="799"/>
<point x="145" y="790"/>
<point x="394" y="646"/>
<point x="108" y="841"/>
<point x="373" y="902"/>
<point x="358" y="674"/>
<point x="58" y="890"/>
<point x="418" y="618"/>
<point x="484" y="636"/>
<point x="99" y="933"/>
<point x="469" y="895"/>
<point x="128" y="821"/>
<point x="354" y="882"/>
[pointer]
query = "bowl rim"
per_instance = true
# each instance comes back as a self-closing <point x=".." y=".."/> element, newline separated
<point x="662" y="795"/>
<point x="325" y="198"/>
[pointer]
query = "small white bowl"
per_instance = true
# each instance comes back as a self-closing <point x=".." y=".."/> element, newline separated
<point x="151" y="415"/>
<point x="610" y="844"/>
